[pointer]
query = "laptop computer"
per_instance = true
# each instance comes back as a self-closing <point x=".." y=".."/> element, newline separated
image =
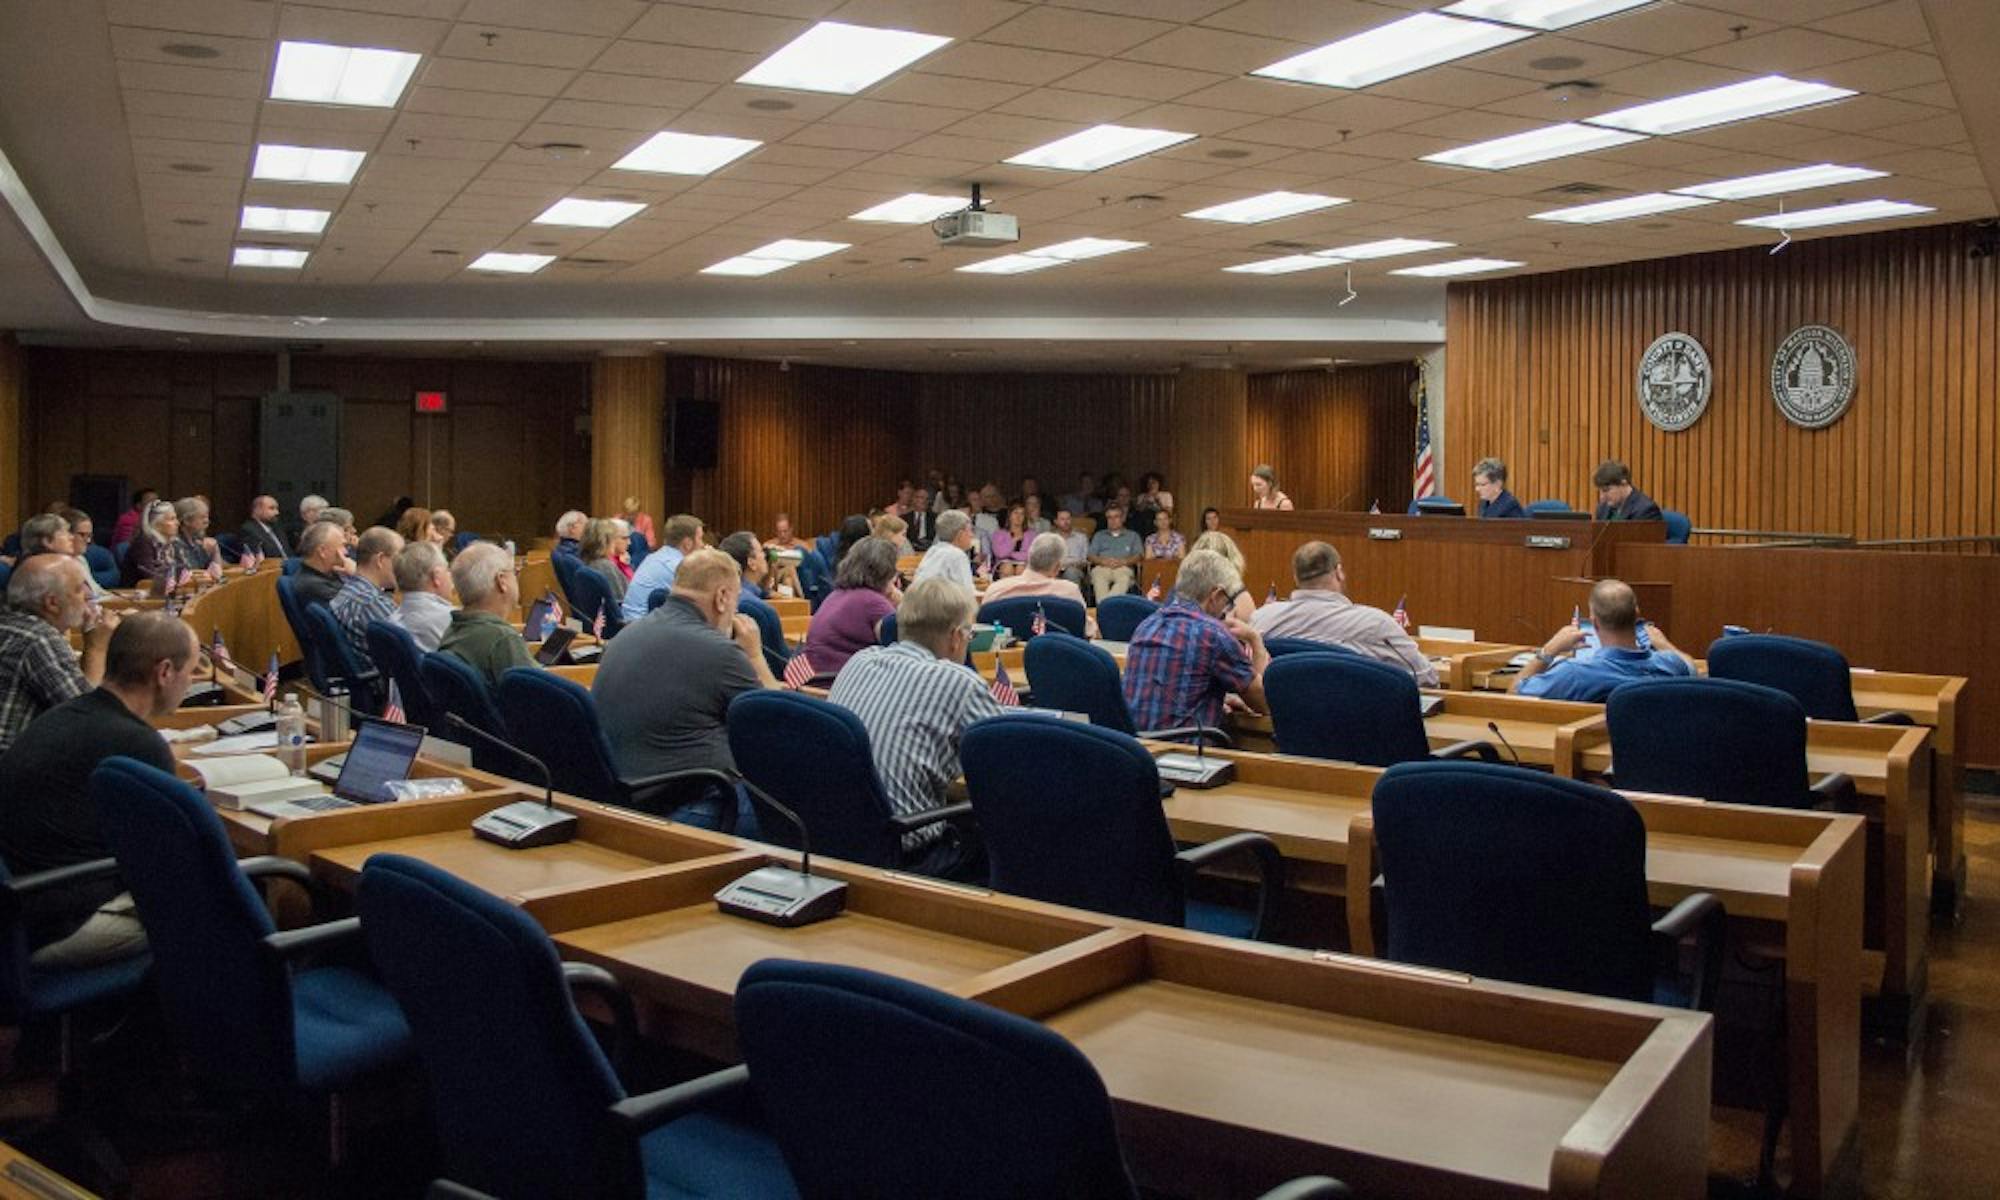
<point x="382" y="754"/>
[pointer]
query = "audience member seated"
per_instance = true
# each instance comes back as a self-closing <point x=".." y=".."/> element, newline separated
<point x="747" y="553"/>
<point x="197" y="547"/>
<point x="1084" y="500"/>
<point x="157" y="550"/>
<point x="865" y="590"/>
<point x="569" y="532"/>
<point x="1264" y="491"/>
<point x="1614" y="613"/>
<point x="1114" y="555"/>
<point x="260" y="533"/>
<point x="367" y="593"/>
<point x="921" y="521"/>
<point x="127" y="527"/>
<point x="392" y="516"/>
<point x="892" y="529"/>
<point x="1617" y="499"/>
<point x="424" y="580"/>
<point x="1044" y="576"/>
<point x="46" y="533"/>
<point x="1320" y="611"/>
<point x="1010" y="543"/>
<point x="853" y="529"/>
<point x="479" y="634"/>
<point x="950" y="556"/>
<point x="916" y="700"/>
<point x="49" y="820"/>
<point x="1037" y="523"/>
<point x="80" y="531"/>
<point x="444" y="530"/>
<point x="638" y="521"/>
<point x="47" y="596"/>
<point x="664" y="686"/>
<point x="1165" y="541"/>
<point x="1076" y="548"/>
<point x="620" y="552"/>
<point x="1151" y="497"/>
<point x="1211" y="521"/>
<point x="322" y="562"/>
<point x="342" y="520"/>
<point x="1246" y="604"/>
<point x="1489" y="482"/>
<point x="989" y="511"/>
<point x="781" y="533"/>
<point x="680" y="538"/>
<point x="1186" y="659"/>
<point x="414" y="525"/>
<point x="599" y="551"/>
<point x="310" y="508"/>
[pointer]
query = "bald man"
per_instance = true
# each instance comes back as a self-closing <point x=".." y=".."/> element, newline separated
<point x="1614" y="611"/>
<point x="47" y="596"/>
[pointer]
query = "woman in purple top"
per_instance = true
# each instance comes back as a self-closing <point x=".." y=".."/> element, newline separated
<point x="1165" y="541"/>
<point x="1010" y="545"/>
<point x="849" y="620"/>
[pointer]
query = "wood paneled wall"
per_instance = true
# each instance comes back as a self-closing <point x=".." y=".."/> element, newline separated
<point x="1340" y="439"/>
<point x="506" y="460"/>
<point x="625" y="433"/>
<point x="13" y="501"/>
<point x="1542" y="372"/>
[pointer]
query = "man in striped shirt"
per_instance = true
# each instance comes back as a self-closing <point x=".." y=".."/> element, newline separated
<point x="916" y="699"/>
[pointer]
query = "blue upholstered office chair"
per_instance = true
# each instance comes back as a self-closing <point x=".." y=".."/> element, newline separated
<point x="770" y="631"/>
<point x="457" y="689"/>
<point x="290" y="567"/>
<point x="524" y="1100"/>
<point x="1678" y="527"/>
<point x="1278" y="646"/>
<point x="342" y="665"/>
<point x="1017" y="613"/>
<point x="103" y="565"/>
<point x="463" y="539"/>
<point x="291" y="606"/>
<point x="827" y="546"/>
<point x="657" y="597"/>
<point x="1719" y="739"/>
<point x="398" y="655"/>
<point x="1074" y="675"/>
<point x="1813" y="673"/>
<point x="1118" y="616"/>
<point x="555" y="720"/>
<point x="589" y="595"/>
<point x="6" y="573"/>
<point x="29" y="994"/>
<point x="885" y="633"/>
<point x="322" y="668"/>
<point x="1535" y="506"/>
<point x="1353" y="709"/>
<point x="815" y="577"/>
<point x="567" y="567"/>
<point x="1508" y="873"/>
<point x="637" y="549"/>
<point x="244" y="1004"/>
<point x="230" y="545"/>
<point x="1071" y="814"/>
<point x="815" y="757"/>
<point x="11" y="545"/>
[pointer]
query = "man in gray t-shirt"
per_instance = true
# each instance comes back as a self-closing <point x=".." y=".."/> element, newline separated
<point x="1114" y="555"/>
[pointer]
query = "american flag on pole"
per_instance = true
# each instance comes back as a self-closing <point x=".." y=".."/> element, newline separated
<point x="1153" y="592"/>
<point x="1041" y="625"/>
<point x="393" y="712"/>
<point x="1402" y="613"/>
<point x="1003" y="687"/>
<point x="798" y="671"/>
<point x="1425" y="481"/>
<point x="271" y="680"/>
<point x="597" y="625"/>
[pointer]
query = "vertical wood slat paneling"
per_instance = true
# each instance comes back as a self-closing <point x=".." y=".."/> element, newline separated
<point x="14" y="495"/>
<point x="1337" y="440"/>
<point x="1555" y="357"/>
<point x="627" y="399"/>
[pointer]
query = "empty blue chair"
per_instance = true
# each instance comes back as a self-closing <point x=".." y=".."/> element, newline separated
<point x="526" y="1105"/>
<point x="770" y="631"/>
<point x="815" y="757"/>
<point x="243" y="1003"/>
<point x="555" y="720"/>
<point x="398" y="655"/>
<point x="1074" y="675"/>
<point x="1535" y="506"/>
<point x="31" y="994"/>
<point x="1071" y="814"/>
<point x="343" y="666"/>
<point x="103" y="565"/>
<point x="1353" y="709"/>
<point x="566" y="566"/>
<point x="1017" y="613"/>
<point x="1118" y="616"/>
<point x="1813" y="673"/>
<point x="457" y="689"/>
<point x="1276" y="646"/>
<point x="1678" y="527"/>
<point x="589" y="595"/>
<point x="230" y="545"/>
<point x="1719" y="739"/>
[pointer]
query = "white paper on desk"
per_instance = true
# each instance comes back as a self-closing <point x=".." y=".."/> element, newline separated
<point x="1445" y="633"/>
<point x="242" y="743"/>
<point x="239" y="769"/>
<point x="199" y="733"/>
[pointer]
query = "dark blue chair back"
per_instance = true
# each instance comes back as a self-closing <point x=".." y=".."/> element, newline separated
<point x="1813" y="673"/>
<point x="28" y="992"/>
<point x="1345" y="707"/>
<point x="11" y="545"/>
<point x="1075" y="676"/>
<point x="770" y="631"/>
<point x="1678" y="527"/>
<point x="567" y="567"/>
<point x="885" y="633"/>
<point x="1118" y="616"/>
<point x="1719" y="739"/>
<point x="398" y="655"/>
<point x="455" y="687"/>
<point x="845" y="1063"/>
<point x="494" y="1023"/>
<point x="342" y="665"/>
<point x="657" y="598"/>
<point x="590" y="595"/>
<point x="230" y="545"/>
<point x="815" y="577"/>
<point x="555" y="720"/>
<point x="293" y="608"/>
<point x="461" y="540"/>
<point x="827" y="546"/>
<point x="1535" y="506"/>
<point x="321" y="667"/>
<point x="103" y="566"/>
<point x="1070" y="814"/>
<point x="1277" y="646"/>
<point x="290" y="567"/>
<point x="815" y="757"/>
<point x="637" y="549"/>
<point x="1507" y="873"/>
<point x="6" y="573"/>
<point x="1017" y="613"/>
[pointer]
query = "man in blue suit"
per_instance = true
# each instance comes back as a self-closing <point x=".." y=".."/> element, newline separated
<point x="1617" y="499"/>
<point x="1489" y="479"/>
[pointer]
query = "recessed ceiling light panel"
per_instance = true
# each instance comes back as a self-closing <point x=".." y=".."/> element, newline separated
<point x="917" y="208"/>
<point x="588" y="214"/>
<point x="1774" y="183"/>
<point x="795" y="250"/>
<point x="269" y="256"/>
<point x="1077" y="249"/>
<point x="833" y="57"/>
<point x="1722" y="105"/>
<point x="743" y="264"/>
<point x="1011" y="264"/>
<point x="316" y="73"/>
<point x="1459" y="266"/>
<point x="1542" y="14"/>
<point x="1098" y="147"/>
<point x="306" y="164"/>
<point x="1386" y="248"/>
<point x="1285" y="265"/>
<point x="1622" y="209"/>
<point x="1398" y="48"/>
<point x="510" y="264"/>
<point x="1268" y="207"/>
<point x="669" y="153"/>
<point x="284" y="220"/>
<point x="1536" y="145"/>
<point x="1839" y="214"/>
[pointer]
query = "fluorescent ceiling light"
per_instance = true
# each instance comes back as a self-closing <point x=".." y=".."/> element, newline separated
<point x="315" y="73"/>
<point x="1268" y="207"/>
<point x="1772" y="183"/>
<point x="1011" y="264"/>
<point x="670" y="153"/>
<point x="832" y="57"/>
<point x="306" y="164"/>
<point x="266" y="256"/>
<point x="1621" y="209"/>
<point x="1719" y="106"/>
<point x="1285" y="265"/>
<point x="913" y="209"/>
<point x="1097" y="147"/>
<point x="591" y="214"/>
<point x="510" y="264"/>
<point x="284" y="220"/>
<point x="1398" y="48"/>
<point x="743" y="264"/>
<point x="1459" y="266"/>
<point x="1386" y="248"/>
<point x="1839" y="214"/>
<point x="1542" y="14"/>
<point x="1077" y="249"/>
<point x="1536" y="145"/>
<point x="774" y="256"/>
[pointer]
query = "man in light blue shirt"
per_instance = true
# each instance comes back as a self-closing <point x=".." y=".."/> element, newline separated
<point x="1114" y="555"/>
<point x="1614" y="613"/>
<point x="680" y="538"/>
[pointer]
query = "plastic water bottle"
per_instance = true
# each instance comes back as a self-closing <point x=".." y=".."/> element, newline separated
<point x="292" y="735"/>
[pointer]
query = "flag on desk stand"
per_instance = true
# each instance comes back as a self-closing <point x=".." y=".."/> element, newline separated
<point x="1375" y="509"/>
<point x="597" y="626"/>
<point x="393" y="712"/>
<point x="271" y="680"/>
<point x="1153" y="593"/>
<point x="1003" y="687"/>
<point x="1424" y="482"/>
<point x="215" y="569"/>
<point x="1402" y="613"/>
<point x="798" y="671"/>
<point x="1041" y="625"/>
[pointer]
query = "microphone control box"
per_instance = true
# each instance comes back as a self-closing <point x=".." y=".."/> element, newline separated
<point x="779" y="895"/>
<point x="525" y="824"/>
<point x="1195" y="770"/>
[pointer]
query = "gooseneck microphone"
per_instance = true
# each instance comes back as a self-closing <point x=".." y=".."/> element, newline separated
<point x="1495" y="729"/>
<point x="523" y="824"/>
<point x="776" y="894"/>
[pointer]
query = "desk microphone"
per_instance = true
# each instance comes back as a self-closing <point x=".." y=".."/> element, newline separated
<point x="1199" y="772"/>
<point x="523" y="824"/>
<point x="1495" y="728"/>
<point x="778" y="895"/>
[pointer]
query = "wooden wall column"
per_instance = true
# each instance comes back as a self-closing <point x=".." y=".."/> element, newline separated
<point x="1211" y="437"/>
<point x="626" y="406"/>
<point x="12" y="433"/>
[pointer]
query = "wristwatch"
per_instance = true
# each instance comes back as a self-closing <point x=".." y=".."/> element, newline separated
<point x="1545" y="658"/>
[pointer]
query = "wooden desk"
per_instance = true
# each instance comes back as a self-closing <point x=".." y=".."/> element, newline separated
<point x="1533" y="727"/>
<point x="245" y="609"/>
<point x="22" y="1178"/>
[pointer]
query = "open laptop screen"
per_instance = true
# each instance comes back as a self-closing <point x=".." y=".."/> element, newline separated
<point x="381" y="755"/>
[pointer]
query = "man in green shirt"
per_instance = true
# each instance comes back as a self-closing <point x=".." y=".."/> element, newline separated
<point x="479" y="632"/>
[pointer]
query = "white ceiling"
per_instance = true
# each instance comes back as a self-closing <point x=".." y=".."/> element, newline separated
<point x="138" y="157"/>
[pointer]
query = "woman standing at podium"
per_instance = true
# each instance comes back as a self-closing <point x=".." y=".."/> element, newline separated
<point x="1264" y="489"/>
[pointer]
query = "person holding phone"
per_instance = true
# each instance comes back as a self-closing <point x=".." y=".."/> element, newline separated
<point x="1557" y="672"/>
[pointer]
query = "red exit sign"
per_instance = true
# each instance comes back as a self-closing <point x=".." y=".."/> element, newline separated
<point x="433" y="402"/>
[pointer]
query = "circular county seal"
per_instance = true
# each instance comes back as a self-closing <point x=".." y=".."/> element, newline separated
<point x="1812" y="376"/>
<point x="1675" y="380"/>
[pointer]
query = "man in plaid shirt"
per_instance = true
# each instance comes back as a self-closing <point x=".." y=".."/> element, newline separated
<point x="366" y="593"/>
<point x="1185" y="660"/>
<point x="47" y="596"/>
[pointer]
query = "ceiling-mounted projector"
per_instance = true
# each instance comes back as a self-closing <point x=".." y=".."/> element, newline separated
<point x="974" y="226"/>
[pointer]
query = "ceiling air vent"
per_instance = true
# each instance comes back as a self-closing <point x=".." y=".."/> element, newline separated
<point x="1579" y="189"/>
<point x="590" y="263"/>
<point x="1285" y="247"/>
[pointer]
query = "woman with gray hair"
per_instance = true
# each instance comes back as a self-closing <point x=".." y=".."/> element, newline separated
<point x="157" y="548"/>
<point x="866" y="589"/>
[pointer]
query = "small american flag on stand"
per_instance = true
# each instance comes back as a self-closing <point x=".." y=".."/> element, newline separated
<point x="215" y="569"/>
<point x="597" y="626"/>
<point x="1003" y="687"/>
<point x="798" y="671"/>
<point x="271" y="680"/>
<point x="1041" y="625"/>
<point x="1402" y="613"/>
<point x="1375" y="508"/>
<point x="393" y="711"/>
<point x="1153" y="592"/>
